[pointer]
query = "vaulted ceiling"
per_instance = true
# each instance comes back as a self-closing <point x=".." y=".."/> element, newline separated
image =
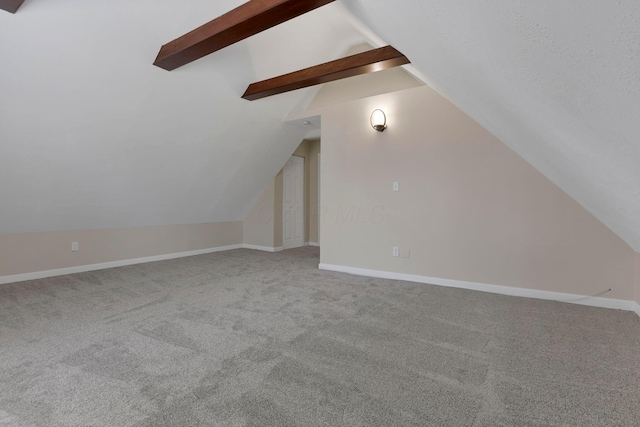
<point x="557" y="81"/>
<point x="93" y="136"/>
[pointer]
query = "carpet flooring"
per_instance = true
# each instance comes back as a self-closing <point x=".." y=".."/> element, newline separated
<point x="247" y="338"/>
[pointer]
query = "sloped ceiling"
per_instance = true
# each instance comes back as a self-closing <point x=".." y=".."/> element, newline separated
<point x="93" y="136"/>
<point x="557" y="81"/>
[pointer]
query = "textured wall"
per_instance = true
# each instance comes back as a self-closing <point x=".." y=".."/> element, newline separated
<point x="469" y="208"/>
<point x="33" y="252"/>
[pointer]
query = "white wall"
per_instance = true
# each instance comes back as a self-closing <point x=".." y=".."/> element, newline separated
<point x="92" y="135"/>
<point x="468" y="209"/>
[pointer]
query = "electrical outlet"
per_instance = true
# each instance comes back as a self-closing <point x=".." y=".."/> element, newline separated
<point x="396" y="251"/>
<point x="75" y="247"/>
<point x="396" y="186"/>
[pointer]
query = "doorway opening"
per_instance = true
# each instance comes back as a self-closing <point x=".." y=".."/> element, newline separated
<point x="293" y="197"/>
<point x="298" y="198"/>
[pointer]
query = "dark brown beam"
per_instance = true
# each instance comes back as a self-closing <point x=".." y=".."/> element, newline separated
<point x="245" y="21"/>
<point x="11" y="5"/>
<point x="362" y="63"/>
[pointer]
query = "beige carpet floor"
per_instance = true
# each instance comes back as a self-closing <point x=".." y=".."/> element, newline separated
<point x="246" y="338"/>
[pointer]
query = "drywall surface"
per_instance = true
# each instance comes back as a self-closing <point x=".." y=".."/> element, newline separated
<point x="259" y="224"/>
<point x="557" y="81"/>
<point x="312" y="188"/>
<point x="278" y="227"/>
<point x="638" y="278"/>
<point x="468" y="207"/>
<point x="33" y="252"/>
<point x="92" y="135"/>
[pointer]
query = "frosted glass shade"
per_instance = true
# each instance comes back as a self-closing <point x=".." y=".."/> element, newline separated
<point x="379" y="120"/>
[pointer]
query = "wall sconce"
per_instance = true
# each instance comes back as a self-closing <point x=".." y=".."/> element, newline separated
<point x="379" y="120"/>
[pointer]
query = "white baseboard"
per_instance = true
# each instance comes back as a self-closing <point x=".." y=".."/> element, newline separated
<point x="314" y="244"/>
<point x="263" y="248"/>
<point x="102" y="266"/>
<point x="494" y="289"/>
<point x="503" y="290"/>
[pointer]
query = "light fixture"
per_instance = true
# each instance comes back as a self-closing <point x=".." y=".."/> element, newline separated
<point x="379" y="120"/>
<point x="306" y="123"/>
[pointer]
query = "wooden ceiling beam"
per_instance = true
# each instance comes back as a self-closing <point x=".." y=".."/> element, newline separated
<point x="245" y="21"/>
<point x="362" y="63"/>
<point x="11" y="5"/>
